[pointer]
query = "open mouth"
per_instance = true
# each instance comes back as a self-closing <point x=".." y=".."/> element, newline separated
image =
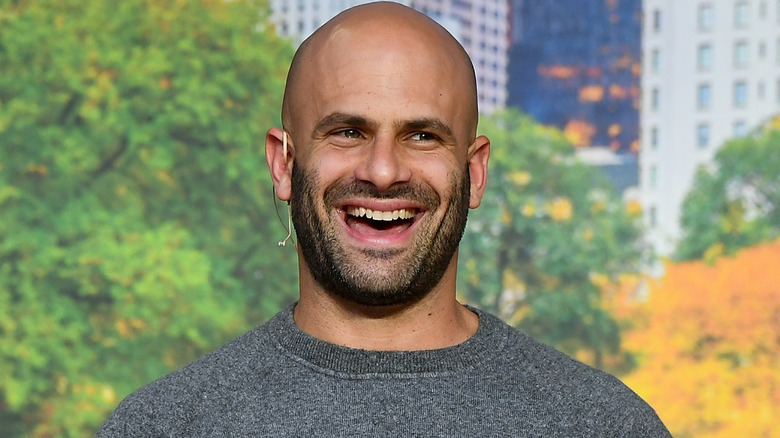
<point x="376" y="222"/>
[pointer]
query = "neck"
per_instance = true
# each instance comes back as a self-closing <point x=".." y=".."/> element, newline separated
<point x="435" y="321"/>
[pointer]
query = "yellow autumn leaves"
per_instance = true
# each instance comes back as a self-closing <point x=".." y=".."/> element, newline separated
<point x="707" y="344"/>
<point x="559" y="208"/>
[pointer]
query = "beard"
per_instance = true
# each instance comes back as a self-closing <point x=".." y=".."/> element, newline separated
<point x="406" y="276"/>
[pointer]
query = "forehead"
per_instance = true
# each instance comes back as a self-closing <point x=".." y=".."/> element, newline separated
<point x="385" y="75"/>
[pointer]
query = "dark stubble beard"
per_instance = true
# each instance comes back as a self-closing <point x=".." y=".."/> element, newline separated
<point x="350" y="276"/>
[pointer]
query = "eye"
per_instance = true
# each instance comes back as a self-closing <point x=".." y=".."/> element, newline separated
<point x="423" y="136"/>
<point x="348" y="133"/>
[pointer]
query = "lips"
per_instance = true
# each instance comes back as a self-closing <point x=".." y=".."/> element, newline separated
<point x="382" y="226"/>
<point x="380" y="218"/>
<point x="378" y="215"/>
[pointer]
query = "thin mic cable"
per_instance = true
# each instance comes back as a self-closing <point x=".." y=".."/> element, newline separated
<point x="288" y="228"/>
<point x="276" y="208"/>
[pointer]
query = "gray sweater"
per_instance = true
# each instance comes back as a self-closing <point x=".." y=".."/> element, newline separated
<point x="278" y="381"/>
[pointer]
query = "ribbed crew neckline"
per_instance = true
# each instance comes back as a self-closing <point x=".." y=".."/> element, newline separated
<point x="356" y="363"/>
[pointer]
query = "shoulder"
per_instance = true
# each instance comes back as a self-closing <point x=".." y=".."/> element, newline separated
<point x="568" y="391"/>
<point x="165" y="406"/>
<point x="540" y="363"/>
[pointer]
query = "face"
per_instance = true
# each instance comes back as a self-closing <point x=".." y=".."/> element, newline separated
<point x="377" y="275"/>
<point x="384" y="149"/>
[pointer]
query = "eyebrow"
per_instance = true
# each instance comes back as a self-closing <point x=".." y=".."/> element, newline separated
<point x="337" y="119"/>
<point x="340" y="119"/>
<point x="427" y="124"/>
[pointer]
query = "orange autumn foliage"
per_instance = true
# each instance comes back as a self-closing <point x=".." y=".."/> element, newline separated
<point x="708" y="340"/>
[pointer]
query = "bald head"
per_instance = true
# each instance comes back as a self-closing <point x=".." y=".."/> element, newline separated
<point x="365" y="41"/>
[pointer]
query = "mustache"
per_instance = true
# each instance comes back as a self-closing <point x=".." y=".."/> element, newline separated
<point x="413" y="192"/>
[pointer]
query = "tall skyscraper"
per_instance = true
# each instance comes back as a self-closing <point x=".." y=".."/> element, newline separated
<point x="297" y="19"/>
<point x="711" y="71"/>
<point x="481" y="26"/>
<point x="575" y="64"/>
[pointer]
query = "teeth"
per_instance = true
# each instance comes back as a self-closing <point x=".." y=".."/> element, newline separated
<point x="380" y="215"/>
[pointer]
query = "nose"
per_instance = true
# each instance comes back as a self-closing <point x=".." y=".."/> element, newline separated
<point x="384" y="164"/>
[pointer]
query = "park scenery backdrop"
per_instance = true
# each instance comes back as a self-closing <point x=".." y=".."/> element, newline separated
<point x="138" y="229"/>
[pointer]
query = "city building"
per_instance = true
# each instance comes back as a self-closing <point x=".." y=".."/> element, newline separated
<point x="481" y="26"/>
<point x="575" y="64"/>
<point x="297" y="19"/>
<point x="711" y="72"/>
<point x="620" y="169"/>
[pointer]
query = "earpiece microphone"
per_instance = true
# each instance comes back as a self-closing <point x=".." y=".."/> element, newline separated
<point x="284" y="145"/>
<point x="289" y="209"/>
<point x="289" y="224"/>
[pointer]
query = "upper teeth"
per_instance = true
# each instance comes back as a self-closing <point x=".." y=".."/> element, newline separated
<point x="380" y="215"/>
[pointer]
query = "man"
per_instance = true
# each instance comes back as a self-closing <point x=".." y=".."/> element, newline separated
<point x="380" y="161"/>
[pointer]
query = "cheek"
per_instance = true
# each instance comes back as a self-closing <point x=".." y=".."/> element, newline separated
<point x="439" y="173"/>
<point x="329" y="167"/>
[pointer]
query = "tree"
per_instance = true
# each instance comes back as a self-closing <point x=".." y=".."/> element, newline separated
<point x="549" y="235"/>
<point x="708" y="343"/>
<point x="736" y="202"/>
<point x="136" y="214"/>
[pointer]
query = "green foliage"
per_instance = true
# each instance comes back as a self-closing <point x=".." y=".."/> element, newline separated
<point x="549" y="232"/>
<point x="736" y="202"/>
<point x="136" y="211"/>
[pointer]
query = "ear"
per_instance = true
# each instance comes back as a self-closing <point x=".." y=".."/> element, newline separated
<point x="280" y="160"/>
<point x="479" y="152"/>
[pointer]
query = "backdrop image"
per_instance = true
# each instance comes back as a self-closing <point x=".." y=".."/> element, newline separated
<point x="631" y="217"/>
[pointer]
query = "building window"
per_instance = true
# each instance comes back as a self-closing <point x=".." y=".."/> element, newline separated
<point x="655" y="60"/>
<point x="653" y="216"/>
<point x="762" y="50"/>
<point x="705" y="16"/>
<point x="777" y="49"/>
<point x="653" y="176"/>
<point x="655" y="99"/>
<point x="704" y="57"/>
<point x="703" y="135"/>
<point x="704" y="96"/>
<point x="740" y="94"/>
<point x="762" y="10"/>
<point x="741" y="54"/>
<point x="778" y="91"/>
<point x="654" y="137"/>
<point x="761" y="90"/>
<point x="741" y="14"/>
<point x="740" y="128"/>
<point x="656" y="21"/>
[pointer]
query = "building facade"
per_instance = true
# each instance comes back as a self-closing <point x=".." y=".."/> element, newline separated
<point x="575" y="64"/>
<point x="711" y="72"/>
<point x="481" y="26"/>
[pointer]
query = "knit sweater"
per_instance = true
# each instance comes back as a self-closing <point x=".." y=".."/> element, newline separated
<point x="279" y="381"/>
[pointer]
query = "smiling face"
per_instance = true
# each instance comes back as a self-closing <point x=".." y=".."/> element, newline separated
<point x="382" y="111"/>
<point x="381" y="256"/>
